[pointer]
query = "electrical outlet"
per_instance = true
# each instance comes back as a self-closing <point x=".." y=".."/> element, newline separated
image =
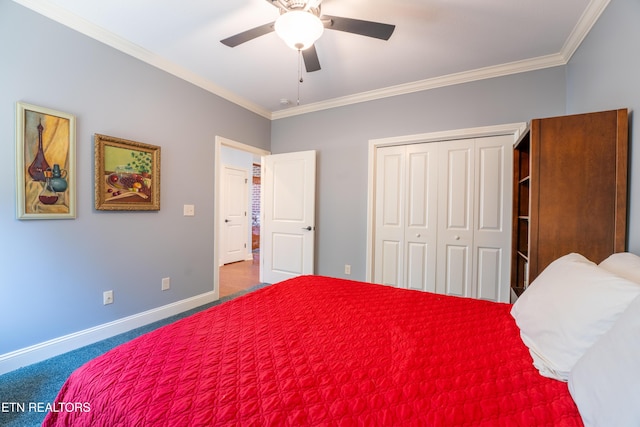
<point x="166" y="283"/>
<point x="107" y="297"/>
<point x="347" y="269"/>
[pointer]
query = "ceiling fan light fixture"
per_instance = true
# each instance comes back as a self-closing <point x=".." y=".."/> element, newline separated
<point x="299" y="29"/>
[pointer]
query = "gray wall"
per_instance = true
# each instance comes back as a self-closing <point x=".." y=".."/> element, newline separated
<point x="604" y="74"/>
<point x="53" y="272"/>
<point x="341" y="137"/>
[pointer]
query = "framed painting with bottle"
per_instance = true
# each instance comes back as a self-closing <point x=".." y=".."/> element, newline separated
<point x="127" y="175"/>
<point x="45" y="163"/>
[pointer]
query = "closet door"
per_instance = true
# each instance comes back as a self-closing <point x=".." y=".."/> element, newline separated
<point x="406" y="216"/>
<point x="492" y="218"/>
<point x="442" y="216"/>
<point x="389" y="215"/>
<point x="421" y="216"/>
<point x="455" y="217"/>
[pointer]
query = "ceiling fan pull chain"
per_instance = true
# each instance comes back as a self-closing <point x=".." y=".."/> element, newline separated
<point x="300" y="80"/>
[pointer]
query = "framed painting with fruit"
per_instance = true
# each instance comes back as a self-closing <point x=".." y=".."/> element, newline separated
<point x="127" y="175"/>
<point x="45" y="163"/>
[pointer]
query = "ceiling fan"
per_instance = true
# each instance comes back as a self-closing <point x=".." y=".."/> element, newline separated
<point x="304" y="24"/>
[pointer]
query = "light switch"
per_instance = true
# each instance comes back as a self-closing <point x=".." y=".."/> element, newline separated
<point x="189" y="210"/>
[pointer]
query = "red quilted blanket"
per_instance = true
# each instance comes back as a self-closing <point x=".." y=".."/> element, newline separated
<point x="322" y="351"/>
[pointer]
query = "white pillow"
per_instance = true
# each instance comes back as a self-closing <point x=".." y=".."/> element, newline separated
<point x="566" y="309"/>
<point x="605" y="383"/>
<point x="624" y="264"/>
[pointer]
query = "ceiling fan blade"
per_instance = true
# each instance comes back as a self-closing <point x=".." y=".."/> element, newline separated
<point x="251" y="34"/>
<point x="311" y="61"/>
<point x="377" y="30"/>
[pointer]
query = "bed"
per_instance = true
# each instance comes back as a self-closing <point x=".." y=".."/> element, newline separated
<point x="316" y="350"/>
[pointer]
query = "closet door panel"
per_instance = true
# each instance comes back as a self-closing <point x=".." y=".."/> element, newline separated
<point x="455" y="217"/>
<point x="458" y="191"/>
<point x="422" y="212"/>
<point x="391" y="266"/>
<point x="490" y="201"/>
<point x="392" y="194"/>
<point x="492" y="207"/>
<point x="456" y="271"/>
<point x="390" y="212"/>
<point x="488" y="268"/>
<point x="417" y="266"/>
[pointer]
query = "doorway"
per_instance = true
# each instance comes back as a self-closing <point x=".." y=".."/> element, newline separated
<point x="241" y="207"/>
<point x="287" y="212"/>
<point x="235" y="209"/>
<point x="232" y="275"/>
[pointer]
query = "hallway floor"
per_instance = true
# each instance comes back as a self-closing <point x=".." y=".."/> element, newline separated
<point x="239" y="276"/>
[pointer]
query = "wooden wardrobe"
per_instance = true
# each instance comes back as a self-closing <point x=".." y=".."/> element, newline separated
<point x="570" y="191"/>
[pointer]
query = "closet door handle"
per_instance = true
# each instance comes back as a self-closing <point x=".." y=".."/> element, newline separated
<point x="308" y="228"/>
<point x="456" y="238"/>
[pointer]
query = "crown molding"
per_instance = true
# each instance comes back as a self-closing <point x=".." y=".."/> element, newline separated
<point x="578" y="34"/>
<point x="585" y="23"/>
<point x="427" y="84"/>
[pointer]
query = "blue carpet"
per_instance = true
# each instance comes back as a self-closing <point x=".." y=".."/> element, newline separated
<point x="38" y="384"/>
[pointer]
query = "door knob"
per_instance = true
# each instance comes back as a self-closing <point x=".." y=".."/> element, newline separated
<point x="226" y="220"/>
<point x="308" y="228"/>
<point x="457" y="237"/>
<point x="418" y="235"/>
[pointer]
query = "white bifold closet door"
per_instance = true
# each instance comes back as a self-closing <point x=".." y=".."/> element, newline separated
<point x="406" y="215"/>
<point x="443" y="217"/>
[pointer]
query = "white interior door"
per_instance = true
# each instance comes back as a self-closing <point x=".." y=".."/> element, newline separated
<point x="288" y="231"/>
<point x="235" y="193"/>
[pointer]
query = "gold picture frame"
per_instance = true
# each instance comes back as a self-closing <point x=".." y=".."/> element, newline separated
<point x="45" y="163"/>
<point x="127" y="175"/>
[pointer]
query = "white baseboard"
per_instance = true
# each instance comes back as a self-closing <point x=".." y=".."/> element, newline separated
<point x="45" y="350"/>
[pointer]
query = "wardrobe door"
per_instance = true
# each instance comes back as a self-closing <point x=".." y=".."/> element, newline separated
<point x="390" y="216"/>
<point x="455" y="217"/>
<point x="578" y="187"/>
<point x="421" y="216"/>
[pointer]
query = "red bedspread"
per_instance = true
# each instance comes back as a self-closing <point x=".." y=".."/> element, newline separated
<point x="323" y="351"/>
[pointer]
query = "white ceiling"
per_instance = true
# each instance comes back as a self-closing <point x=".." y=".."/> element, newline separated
<point x="435" y="43"/>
